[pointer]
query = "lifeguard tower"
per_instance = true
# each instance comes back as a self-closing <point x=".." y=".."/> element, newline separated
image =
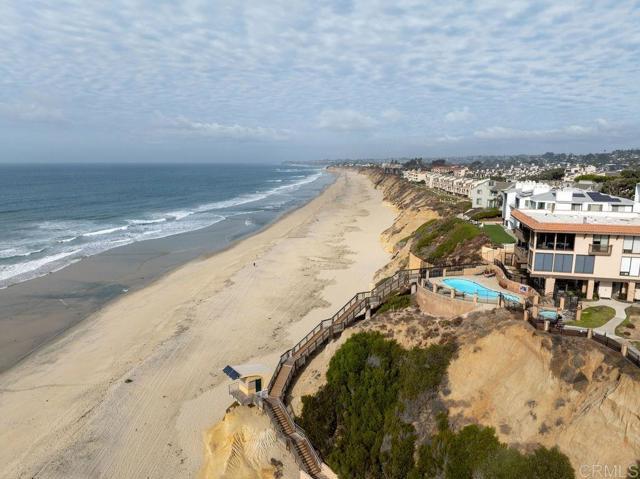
<point x="248" y="381"/>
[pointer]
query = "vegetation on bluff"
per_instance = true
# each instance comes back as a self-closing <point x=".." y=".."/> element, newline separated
<point x="357" y="420"/>
<point x="437" y="240"/>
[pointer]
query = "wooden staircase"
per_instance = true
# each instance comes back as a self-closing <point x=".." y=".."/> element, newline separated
<point x="295" y="358"/>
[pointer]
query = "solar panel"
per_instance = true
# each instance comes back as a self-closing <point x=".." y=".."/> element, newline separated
<point x="599" y="197"/>
<point x="232" y="373"/>
<point x="579" y="195"/>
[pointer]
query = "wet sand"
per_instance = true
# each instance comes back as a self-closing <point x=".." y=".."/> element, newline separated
<point x="131" y="391"/>
<point x="36" y="311"/>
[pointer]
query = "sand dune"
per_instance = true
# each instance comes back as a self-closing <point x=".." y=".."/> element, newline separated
<point x="130" y="392"/>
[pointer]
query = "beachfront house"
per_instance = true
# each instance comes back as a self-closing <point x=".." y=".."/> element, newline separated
<point x="580" y="241"/>
<point x="486" y="193"/>
<point x="248" y="380"/>
<point x="515" y="196"/>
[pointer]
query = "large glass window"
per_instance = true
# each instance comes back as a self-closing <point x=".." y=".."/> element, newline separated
<point x="594" y="207"/>
<point x="631" y="244"/>
<point x="630" y="266"/>
<point x="543" y="262"/>
<point x="576" y="207"/>
<point x="565" y="241"/>
<point x="584" y="264"/>
<point x="563" y="263"/>
<point x="546" y="241"/>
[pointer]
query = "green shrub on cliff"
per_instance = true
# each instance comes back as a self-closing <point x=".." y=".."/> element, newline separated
<point x="435" y="240"/>
<point x="355" y="420"/>
<point x="475" y="452"/>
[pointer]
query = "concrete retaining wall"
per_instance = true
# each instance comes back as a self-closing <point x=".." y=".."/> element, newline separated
<point x="439" y="305"/>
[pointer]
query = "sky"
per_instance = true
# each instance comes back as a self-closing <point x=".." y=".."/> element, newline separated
<point x="181" y="81"/>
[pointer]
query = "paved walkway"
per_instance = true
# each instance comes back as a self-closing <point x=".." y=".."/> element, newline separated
<point x="609" y="328"/>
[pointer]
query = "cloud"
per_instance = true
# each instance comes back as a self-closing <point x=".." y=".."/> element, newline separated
<point x="392" y="115"/>
<point x="31" y="112"/>
<point x="345" y="120"/>
<point x="262" y="68"/>
<point x="183" y="126"/>
<point x="458" y="116"/>
<point x="570" y="131"/>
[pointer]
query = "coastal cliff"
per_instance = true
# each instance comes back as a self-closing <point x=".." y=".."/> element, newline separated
<point x="533" y="389"/>
<point x="426" y="229"/>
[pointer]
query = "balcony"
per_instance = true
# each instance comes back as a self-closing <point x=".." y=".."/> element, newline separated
<point x="600" y="249"/>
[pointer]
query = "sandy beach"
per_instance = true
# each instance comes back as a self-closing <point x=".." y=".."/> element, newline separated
<point x="130" y="392"/>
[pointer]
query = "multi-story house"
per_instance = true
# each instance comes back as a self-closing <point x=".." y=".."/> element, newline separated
<point x="581" y="241"/>
<point x="486" y="193"/>
<point x="515" y="196"/>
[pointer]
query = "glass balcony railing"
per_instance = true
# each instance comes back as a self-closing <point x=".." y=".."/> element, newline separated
<point x="600" y="249"/>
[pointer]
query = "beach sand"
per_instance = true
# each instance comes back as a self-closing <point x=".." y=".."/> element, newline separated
<point x="131" y="391"/>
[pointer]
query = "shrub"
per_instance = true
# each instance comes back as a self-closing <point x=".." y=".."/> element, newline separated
<point x="486" y="213"/>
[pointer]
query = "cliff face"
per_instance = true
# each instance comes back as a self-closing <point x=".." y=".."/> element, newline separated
<point x="556" y="391"/>
<point x="244" y="444"/>
<point x="416" y="205"/>
<point x="531" y="387"/>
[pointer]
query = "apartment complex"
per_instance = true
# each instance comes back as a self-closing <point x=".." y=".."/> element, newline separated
<point x="581" y="241"/>
<point x="482" y="193"/>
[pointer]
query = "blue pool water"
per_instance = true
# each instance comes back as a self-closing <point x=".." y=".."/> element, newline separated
<point x="470" y="287"/>
<point x="548" y="314"/>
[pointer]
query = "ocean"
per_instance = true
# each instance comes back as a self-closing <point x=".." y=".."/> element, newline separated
<point x="55" y="215"/>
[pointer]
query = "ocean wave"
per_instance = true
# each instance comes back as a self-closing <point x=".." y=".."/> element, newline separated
<point x="18" y="253"/>
<point x="32" y="266"/>
<point x="106" y="231"/>
<point x="146" y="222"/>
<point x="67" y="240"/>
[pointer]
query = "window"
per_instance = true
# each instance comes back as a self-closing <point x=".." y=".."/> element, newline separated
<point x="621" y="208"/>
<point x="584" y="264"/>
<point x="540" y="205"/>
<point x="563" y="263"/>
<point x="565" y="241"/>
<point x="576" y="207"/>
<point x="593" y="207"/>
<point x="631" y="244"/>
<point x="479" y="192"/>
<point x="601" y="240"/>
<point x="546" y="241"/>
<point x="478" y="200"/>
<point x="543" y="262"/>
<point x="630" y="266"/>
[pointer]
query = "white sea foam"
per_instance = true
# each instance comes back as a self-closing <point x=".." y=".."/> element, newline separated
<point x="90" y="240"/>
<point x="146" y="222"/>
<point x="18" y="252"/>
<point x="67" y="240"/>
<point x="106" y="231"/>
<point x="12" y="270"/>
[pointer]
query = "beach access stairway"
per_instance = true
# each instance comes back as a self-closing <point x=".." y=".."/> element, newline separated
<point x="295" y="358"/>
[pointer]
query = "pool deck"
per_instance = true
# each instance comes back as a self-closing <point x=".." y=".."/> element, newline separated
<point x="487" y="282"/>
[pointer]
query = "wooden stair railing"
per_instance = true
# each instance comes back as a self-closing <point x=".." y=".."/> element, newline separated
<point x="293" y="359"/>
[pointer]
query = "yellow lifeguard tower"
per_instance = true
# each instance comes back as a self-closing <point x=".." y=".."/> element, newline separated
<point x="248" y="381"/>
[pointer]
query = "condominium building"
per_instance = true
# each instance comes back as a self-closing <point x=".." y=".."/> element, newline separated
<point x="515" y="196"/>
<point x="581" y="241"/>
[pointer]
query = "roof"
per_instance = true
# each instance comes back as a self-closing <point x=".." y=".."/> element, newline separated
<point x="244" y="370"/>
<point x="581" y="196"/>
<point x="593" y="223"/>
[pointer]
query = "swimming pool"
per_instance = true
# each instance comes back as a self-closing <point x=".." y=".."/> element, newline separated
<point x="471" y="287"/>
<point x="549" y="314"/>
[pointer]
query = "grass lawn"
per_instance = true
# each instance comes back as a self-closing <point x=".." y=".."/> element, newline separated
<point x="627" y="329"/>
<point x="594" y="317"/>
<point x="497" y="234"/>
